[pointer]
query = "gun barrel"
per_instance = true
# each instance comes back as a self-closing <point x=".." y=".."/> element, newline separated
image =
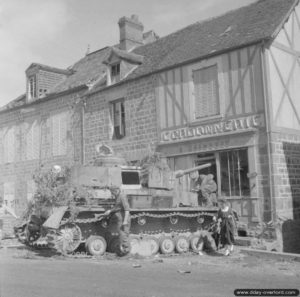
<point x="181" y="173"/>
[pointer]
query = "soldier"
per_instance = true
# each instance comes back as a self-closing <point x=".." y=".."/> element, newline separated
<point x="208" y="189"/>
<point x="121" y="217"/>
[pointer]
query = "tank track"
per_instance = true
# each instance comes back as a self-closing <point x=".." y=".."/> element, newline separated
<point x="180" y="239"/>
<point x="35" y="241"/>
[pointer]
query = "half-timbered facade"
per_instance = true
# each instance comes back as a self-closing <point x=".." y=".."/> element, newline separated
<point x="212" y="111"/>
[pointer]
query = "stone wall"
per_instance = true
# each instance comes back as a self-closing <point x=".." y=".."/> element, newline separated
<point x="140" y="120"/>
<point x="286" y="174"/>
<point x="21" y="170"/>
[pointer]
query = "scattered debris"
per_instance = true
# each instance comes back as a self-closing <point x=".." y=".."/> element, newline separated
<point x="136" y="265"/>
<point x="183" y="271"/>
<point x="158" y="261"/>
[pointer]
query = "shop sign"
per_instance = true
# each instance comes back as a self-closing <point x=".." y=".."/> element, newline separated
<point x="221" y="128"/>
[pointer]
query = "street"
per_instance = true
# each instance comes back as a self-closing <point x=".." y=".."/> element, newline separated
<point x="28" y="274"/>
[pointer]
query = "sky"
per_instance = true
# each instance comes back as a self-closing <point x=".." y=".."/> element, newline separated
<point x="58" y="32"/>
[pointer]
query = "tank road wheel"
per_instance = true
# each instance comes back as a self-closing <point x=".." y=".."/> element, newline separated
<point x="182" y="244"/>
<point x="32" y="236"/>
<point x="134" y="242"/>
<point x="154" y="244"/>
<point x="167" y="245"/>
<point x="96" y="245"/>
<point x="196" y="244"/>
<point x="68" y="238"/>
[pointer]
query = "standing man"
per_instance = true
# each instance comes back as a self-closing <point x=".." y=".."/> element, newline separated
<point x="208" y="189"/>
<point x="121" y="217"/>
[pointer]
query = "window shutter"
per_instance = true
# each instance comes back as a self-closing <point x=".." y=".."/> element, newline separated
<point x="9" y="145"/>
<point x="55" y="135"/>
<point x="29" y="140"/>
<point x="63" y="134"/>
<point x="36" y="140"/>
<point x="206" y="92"/>
<point x="59" y="134"/>
<point x="1" y="146"/>
<point x="117" y="120"/>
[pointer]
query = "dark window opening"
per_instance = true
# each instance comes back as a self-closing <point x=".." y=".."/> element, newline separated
<point x="32" y="87"/>
<point x="130" y="178"/>
<point x="118" y="119"/>
<point x="115" y="73"/>
<point x="234" y="169"/>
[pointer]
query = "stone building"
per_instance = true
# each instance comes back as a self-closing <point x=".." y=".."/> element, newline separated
<point x="223" y="91"/>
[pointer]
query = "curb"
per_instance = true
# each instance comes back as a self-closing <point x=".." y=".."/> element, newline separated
<point x="271" y="255"/>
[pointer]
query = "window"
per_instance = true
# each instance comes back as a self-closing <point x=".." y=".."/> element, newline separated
<point x="115" y="73"/>
<point x="1" y="146"/>
<point x="33" y="141"/>
<point x="234" y="169"/>
<point x="9" y="145"/>
<point x="9" y="194"/>
<point x="206" y="92"/>
<point x="32" y="87"/>
<point x="118" y="119"/>
<point x="59" y="134"/>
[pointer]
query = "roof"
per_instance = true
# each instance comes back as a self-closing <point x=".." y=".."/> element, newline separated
<point x="237" y="28"/>
<point x="15" y="103"/>
<point x="50" y="68"/>
<point x="86" y="71"/>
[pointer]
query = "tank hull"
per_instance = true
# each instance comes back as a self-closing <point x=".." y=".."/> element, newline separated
<point x="146" y="224"/>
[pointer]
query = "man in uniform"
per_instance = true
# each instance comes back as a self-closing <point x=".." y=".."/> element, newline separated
<point x="121" y="217"/>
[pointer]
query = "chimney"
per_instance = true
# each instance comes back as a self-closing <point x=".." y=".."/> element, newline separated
<point x="131" y="32"/>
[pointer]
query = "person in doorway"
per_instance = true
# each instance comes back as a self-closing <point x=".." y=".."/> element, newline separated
<point x="208" y="189"/>
<point x="227" y="226"/>
<point x="121" y="217"/>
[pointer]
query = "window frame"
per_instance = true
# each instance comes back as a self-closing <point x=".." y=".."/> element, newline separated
<point x="217" y="91"/>
<point x="222" y="87"/>
<point x="241" y="194"/>
<point x="122" y="119"/>
<point x="115" y="74"/>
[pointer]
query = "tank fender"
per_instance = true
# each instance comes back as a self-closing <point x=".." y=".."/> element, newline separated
<point x="54" y="220"/>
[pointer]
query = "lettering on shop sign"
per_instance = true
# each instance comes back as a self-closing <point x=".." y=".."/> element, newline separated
<point x="220" y="128"/>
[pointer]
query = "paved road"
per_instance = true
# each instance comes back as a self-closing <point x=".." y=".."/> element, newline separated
<point x="24" y="274"/>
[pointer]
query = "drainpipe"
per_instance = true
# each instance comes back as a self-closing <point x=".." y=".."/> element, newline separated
<point x="267" y="98"/>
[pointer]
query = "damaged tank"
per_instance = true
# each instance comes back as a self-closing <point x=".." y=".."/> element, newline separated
<point x="165" y="216"/>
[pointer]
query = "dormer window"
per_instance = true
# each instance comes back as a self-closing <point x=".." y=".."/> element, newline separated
<point x="32" y="87"/>
<point x="115" y="73"/>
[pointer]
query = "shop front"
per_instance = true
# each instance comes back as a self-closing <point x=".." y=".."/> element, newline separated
<point x="231" y="147"/>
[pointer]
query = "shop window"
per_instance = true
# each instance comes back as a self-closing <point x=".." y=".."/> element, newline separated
<point x="234" y="169"/>
<point x="118" y="119"/>
<point x="206" y="92"/>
